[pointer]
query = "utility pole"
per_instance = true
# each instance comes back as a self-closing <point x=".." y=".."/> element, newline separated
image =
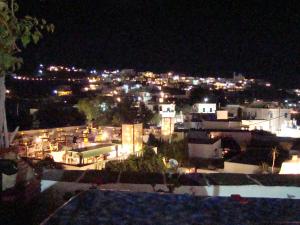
<point x="278" y="118"/>
<point x="170" y="140"/>
<point x="133" y="149"/>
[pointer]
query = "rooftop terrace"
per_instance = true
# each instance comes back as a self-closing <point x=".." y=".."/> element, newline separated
<point x="115" y="207"/>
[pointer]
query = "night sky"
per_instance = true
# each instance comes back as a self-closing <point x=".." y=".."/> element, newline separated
<point x="259" y="38"/>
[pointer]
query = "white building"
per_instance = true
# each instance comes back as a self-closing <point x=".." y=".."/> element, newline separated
<point x="233" y="110"/>
<point x="145" y="96"/>
<point x="132" y="138"/>
<point x="267" y="116"/>
<point x="205" y="108"/>
<point x="268" y="119"/>
<point x="167" y="110"/>
<point x="291" y="166"/>
<point x="205" y="148"/>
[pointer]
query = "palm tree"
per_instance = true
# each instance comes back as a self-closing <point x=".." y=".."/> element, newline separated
<point x="274" y="154"/>
<point x="264" y="167"/>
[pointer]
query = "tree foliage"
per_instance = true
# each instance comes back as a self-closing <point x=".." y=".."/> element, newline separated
<point x="58" y="115"/>
<point x="126" y="111"/>
<point x="176" y="150"/>
<point x="96" y="109"/>
<point x="156" y="119"/>
<point x="149" y="162"/>
<point x="197" y="94"/>
<point x="16" y="32"/>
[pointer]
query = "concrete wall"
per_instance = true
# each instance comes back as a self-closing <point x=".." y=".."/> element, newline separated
<point x="233" y="109"/>
<point x="289" y="132"/>
<point x="236" y="125"/>
<point x="60" y="188"/>
<point x="221" y="125"/>
<point x="257" y="124"/>
<point x="206" y="151"/>
<point x="232" y="167"/>
<point x="94" y="166"/>
<point x="250" y="191"/>
<point x="222" y="115"/>
<point x="8" y="181"/>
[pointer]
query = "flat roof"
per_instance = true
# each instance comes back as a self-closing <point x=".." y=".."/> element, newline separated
<point x="84" y="149"/>
<point x="202" y="140"/>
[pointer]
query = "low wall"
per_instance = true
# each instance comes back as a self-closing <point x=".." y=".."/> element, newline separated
<point x="232" y="167"/>
<point x="250" y="191"/>
<point x="39" y="131"/>
<point x="93" y="166"/>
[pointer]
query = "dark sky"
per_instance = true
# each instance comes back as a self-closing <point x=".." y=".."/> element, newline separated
<point x="260" y="38"/>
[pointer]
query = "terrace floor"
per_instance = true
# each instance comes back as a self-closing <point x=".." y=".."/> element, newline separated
<point x="110" y="207"/>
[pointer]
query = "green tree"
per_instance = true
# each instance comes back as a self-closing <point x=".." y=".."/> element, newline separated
<point x="186" y="109"/>
<point x="105" y="112"/>
<point x="145" y="115"/>
<point x="88" y="108"/>
<point x="156" y="119"/>
<point x="58" y="115"/>
<point x="16" y="33"/>
<point x="116" y="119"/>
<point x="149" y="162"/>
<point x="176" y="150"/>
<point x="153" y="141"/>
<point x="197" y="94"/>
